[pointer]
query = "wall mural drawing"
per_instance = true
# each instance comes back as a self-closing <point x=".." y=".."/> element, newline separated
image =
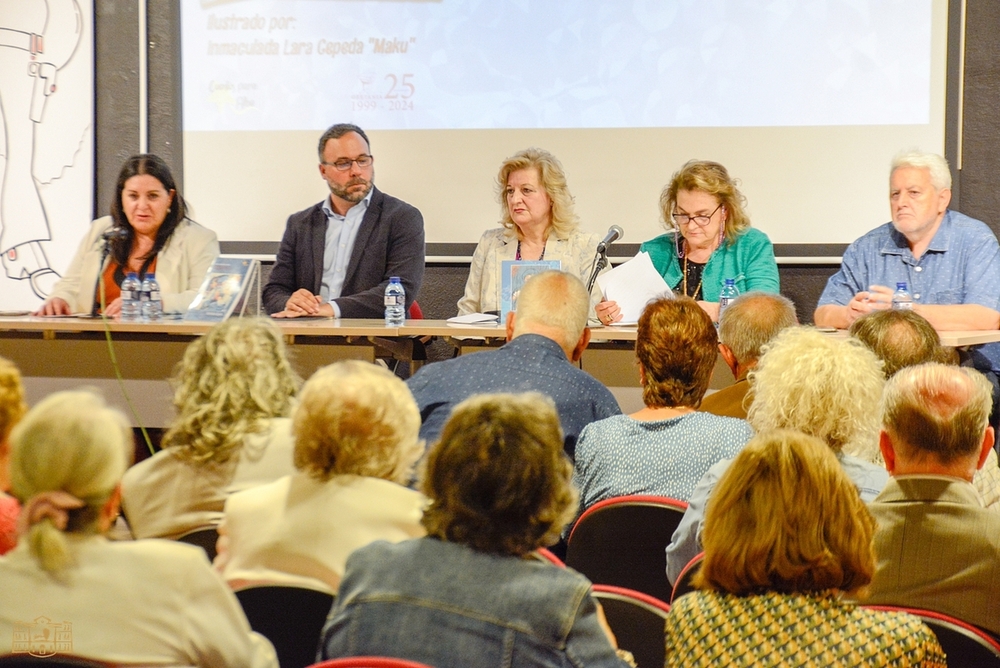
<point x="46" y="143"/>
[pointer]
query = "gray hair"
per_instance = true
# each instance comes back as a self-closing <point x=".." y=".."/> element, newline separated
<point x="936" y="166"/>
<point x="750" y="322"/>
<point x="937" y="409"/>
<point x="553" y="299"/>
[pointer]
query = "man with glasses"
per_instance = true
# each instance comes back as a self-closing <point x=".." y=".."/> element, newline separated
<point x="950" y="262"/>
<point x="336" y="257"/>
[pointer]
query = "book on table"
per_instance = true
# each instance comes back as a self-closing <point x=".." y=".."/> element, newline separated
<point x="225" y="290"/>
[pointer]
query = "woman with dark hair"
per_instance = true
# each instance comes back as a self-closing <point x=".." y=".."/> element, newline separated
<point x="786" y="535"/>
<point x="148" y="232"/>
<point x="470" y="594"/>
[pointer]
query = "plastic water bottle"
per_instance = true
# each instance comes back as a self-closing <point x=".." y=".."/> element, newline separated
<point x="152" y="304"/>
<point x="130" y="297"/>
<point x="728" y="294"/>
<point x="901" y="299"/>
<point x="395" y="303"/>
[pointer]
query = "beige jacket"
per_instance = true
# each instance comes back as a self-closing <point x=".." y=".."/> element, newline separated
<point x="482" y="290"/>
<point x="180" y="266"/>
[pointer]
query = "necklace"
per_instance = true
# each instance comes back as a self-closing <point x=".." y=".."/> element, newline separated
<point x="518" y="255"/>
<point x="701" y="278"/>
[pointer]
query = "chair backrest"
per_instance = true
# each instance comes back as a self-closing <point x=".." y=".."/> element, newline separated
<point x="369" y="662"/>
<point x="543" y="554"/>
<point x="637" y="621"/>
<point x="965" y="645"/>
<point x="290" y="617"/>
<point x="683" y="584"/>
<point x="623" y="542"/>
<point x="415" y="312"/>
<point x="205" y="538"/>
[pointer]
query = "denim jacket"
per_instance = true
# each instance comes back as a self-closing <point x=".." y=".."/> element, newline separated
<point x="450" y="606"/>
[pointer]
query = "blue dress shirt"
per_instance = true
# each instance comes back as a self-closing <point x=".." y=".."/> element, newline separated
<point x="341" y="232"/>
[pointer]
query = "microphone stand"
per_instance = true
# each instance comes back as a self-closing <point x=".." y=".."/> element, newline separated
<point x="600" y="262"/>
<point x="98" y="293"/>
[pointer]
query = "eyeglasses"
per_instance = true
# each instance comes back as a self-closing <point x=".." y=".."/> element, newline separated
<point x="345" y="164"/>
<point x="700" y="221"/>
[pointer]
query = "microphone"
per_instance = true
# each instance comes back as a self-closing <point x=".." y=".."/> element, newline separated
<point x="114" y="233"/>
<point x="614" y="233"/>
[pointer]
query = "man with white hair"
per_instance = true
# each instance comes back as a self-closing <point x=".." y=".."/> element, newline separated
<point x="937" y="547"/>
<point x="949" y="261"/>
<point x="546" y="337"/>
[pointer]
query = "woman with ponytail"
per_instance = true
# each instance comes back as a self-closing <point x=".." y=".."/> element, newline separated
<point x="142" y="602"/>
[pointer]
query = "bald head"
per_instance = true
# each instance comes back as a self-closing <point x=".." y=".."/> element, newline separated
<point x="937" y="417"/>
<point x="752" y="321"/>
<point x="900" y="338"/>
<point x="553" y="304"/>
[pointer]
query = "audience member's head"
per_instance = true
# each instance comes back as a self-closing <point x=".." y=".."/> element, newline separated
<point x="229" y="381"/>
<point x="12" y="409"/>
<point x="498" y="479"/>
<point x="785" y="517"/>
<point x="749" y="323"/>
<point x="676" y="346"/>
<point x="935" y="419"/>
<point x="68" y="456"/>
<point x="556" y="305"/>
<point x="900" y="338"/>
<point x="356" y="418"/>
<point x="822" y="385"/>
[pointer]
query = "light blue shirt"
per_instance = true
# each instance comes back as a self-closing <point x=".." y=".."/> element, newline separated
<point x="960" y="266"/>
<point x="341" y="232"/>
<point x="686" y="541"/>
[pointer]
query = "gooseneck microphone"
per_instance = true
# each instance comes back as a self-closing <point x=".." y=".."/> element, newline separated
<point x="601" y="256"/>
<point x="113" y="233"/>
<point x="614" y="234"/>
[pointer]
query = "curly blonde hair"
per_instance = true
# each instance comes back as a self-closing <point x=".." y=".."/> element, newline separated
<point x="822" y="385"/>
<point x="356" y="418"/>
<point x="12" y="404"/>
<point x="552" y="178"/>
<point x="498" y="480"/>
<point x="70" y="442"/>
<point x="785" y="517"/>
<point x="711" y="178"/>
<point x="229" y="381"/>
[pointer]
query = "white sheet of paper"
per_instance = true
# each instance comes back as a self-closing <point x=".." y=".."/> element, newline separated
<point x="632" y="285"/>
<point x="473" y="319"/>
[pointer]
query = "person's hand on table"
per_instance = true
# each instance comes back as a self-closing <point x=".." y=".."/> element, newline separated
<point x="114" y="309"/>
<point x="54" y="306"/>
<point x="711" y="308"/>
<point x="608" y="312"/>
<point x="302" y="302"/>
<point x="876" y="298"/>
<point x="294" y="309"/>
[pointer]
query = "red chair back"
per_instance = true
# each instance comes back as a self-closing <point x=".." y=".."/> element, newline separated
<point x="683" y="584"/>
<point x="637" y="621"/>
<point x="415" y="313"/>
<point x="622" y="542"/>
<point x="965" y="645"/>
<point x="369" y="662"/>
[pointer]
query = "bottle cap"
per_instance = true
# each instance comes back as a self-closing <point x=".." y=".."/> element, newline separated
<point x="901" y="286"/>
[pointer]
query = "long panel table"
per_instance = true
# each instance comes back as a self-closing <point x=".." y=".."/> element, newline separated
<point x="58" y="353"/>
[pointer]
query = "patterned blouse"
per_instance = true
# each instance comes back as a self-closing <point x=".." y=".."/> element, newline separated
<point x="709" y="628"/>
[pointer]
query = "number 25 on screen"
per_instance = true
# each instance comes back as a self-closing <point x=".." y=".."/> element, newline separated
<point x="400" y="87"/>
